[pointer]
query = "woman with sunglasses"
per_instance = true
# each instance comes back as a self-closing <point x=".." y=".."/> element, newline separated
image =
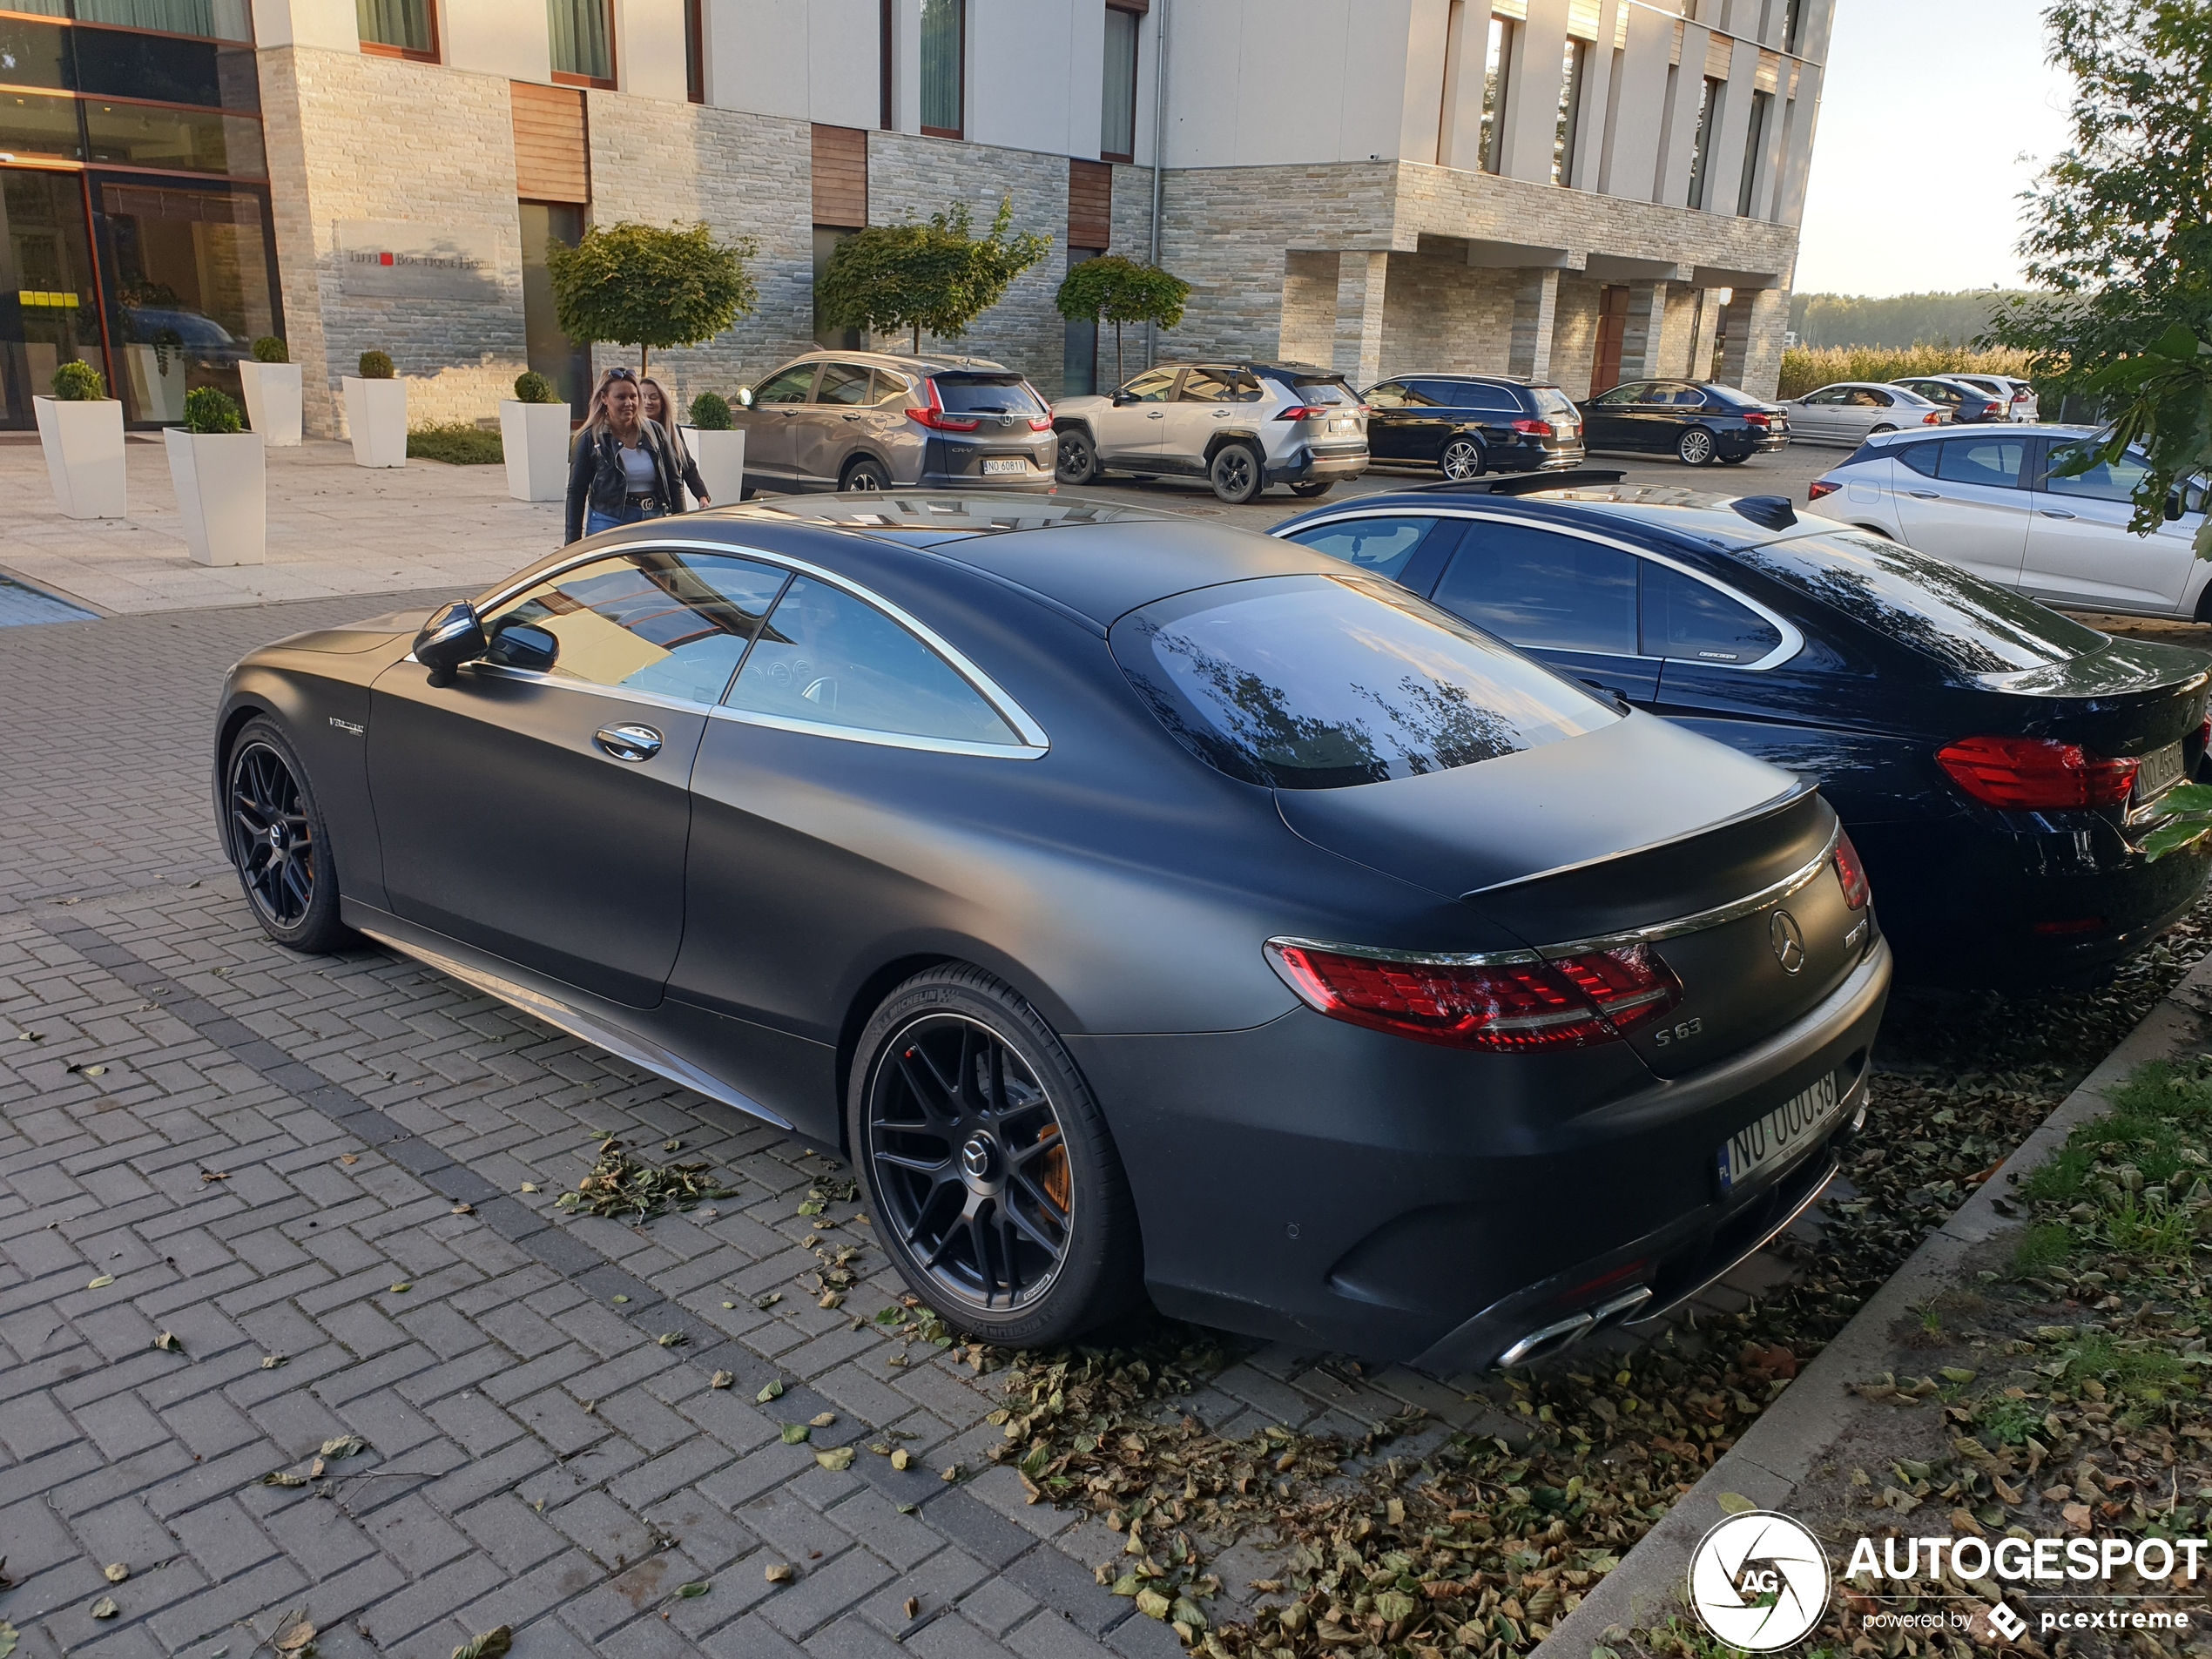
<point x="621" y="470"/>
<point x="660" y="409"/>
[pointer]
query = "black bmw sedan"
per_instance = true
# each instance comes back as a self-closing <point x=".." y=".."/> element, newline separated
<point x="1997" y="764"/>
<point x="1139" y="904"/>
<point x="1696" y="421"/>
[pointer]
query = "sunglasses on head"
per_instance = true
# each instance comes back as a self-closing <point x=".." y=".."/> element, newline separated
<point x="622" y="374"/>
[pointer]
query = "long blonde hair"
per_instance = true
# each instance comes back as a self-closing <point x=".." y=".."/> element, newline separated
<point x="595" y="419"/>
<point x="668" y="418"/>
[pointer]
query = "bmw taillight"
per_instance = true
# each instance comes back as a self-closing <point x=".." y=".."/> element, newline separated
<point x="1533" y="429"/>
<point x="1820" y="486"/>
<point x="1852" y="875"/>
<point x="2035" y="774"/>
<point x="1933" y="417"/>
<point x="1758" y="417"/>
<point x="1510" y="1005"/>
<point x="936" y="420"/>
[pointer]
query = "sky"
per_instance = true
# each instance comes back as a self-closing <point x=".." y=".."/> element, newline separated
<point x="1934" y="115"/>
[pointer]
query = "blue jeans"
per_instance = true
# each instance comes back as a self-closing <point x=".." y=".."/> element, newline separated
<point x="595" y="521"/>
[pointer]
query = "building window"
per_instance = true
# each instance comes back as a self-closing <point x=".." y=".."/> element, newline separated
<point x="584" y="41"/>
<point x="549" y="351"/>
<point x="1793" y="16"/>
<point x="1754" y="143"/>
<point x="883" y="55"/>
<point x="1117" y="127"/>
<point x="1497" y="65"/>
<point x="826" y="237"/>
<point x="695" y="50"/>
<point x="398" y="29"/>
<point x="215" y="19"/>
<point x="1708" y="107"/>
<point x="1570" y="110"/>
<point x="944" y="58"/>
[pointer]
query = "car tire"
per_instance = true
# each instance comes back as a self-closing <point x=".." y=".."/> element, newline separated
<point x="1237" y="473"/>
<point x="865" y="473"/>
<point x="1695" y="447"/>
<point x="1315" y="491"/>
<point x="1733" y="461"/>
<point x="274" y="832"/>
<point x="1878" y="431"/>
<point x="1078" y="461"/>
<point x="1010" y="1217"/>
<point x="1462" y="459"/>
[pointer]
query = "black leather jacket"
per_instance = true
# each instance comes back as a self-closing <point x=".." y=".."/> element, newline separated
<point x="596" y="482"/>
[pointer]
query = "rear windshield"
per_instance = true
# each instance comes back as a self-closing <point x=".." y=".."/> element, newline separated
<point x="1730" y="395"/>
<point x="1322" y="389"/>
<point x="1937" y="608"/>
<point x="1552" y="402"/>
<point x="1321" y="682"/>
<point x="986" y="394"/>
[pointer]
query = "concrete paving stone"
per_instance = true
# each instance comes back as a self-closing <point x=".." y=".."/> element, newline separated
<point x="523" y="1598"/>
<point x="1061" y="1581"/>
<point x="385" y="1371"/>
<point x="504" y="1470"/>
<point x="1050" y="1637"/>
<point x="752" y="1638"/>
<point x="596" y="1523"/>
<point x="655" y="1637"/>
<point x="1138" y="1637"/>
<point x="222" y="1538"/>
<point x="691" y="1458"/>
<point x="99" y="1482"/>
<point x="210" y="1425"/>
<point x="823" y="1592"/>
<point x="996" y="1605"/>
<point x="415" y="1535"/>
<point x="121" y="1425"/>
<point x="323" y="1540"/>
<point x="758" y="1472"/>
<point x="232" y="1602"/>
<point x="902" y="1541"/>
<point x="977" y="1528"/>
<point x="510" y="1532"/>
<point x="954" y="1637"/>
<point x="640" y="1587"/>
<point x="435" y="1597"/>
<point x="1000" y="1488"/>
<point x="643" y="1418"/>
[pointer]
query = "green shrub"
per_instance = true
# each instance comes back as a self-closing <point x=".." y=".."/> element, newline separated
<point x="710" y="412"/>
<point x="530" y="387"/>
<point x="1807" y="369"/>
<point x="457" y="445"/>
<point x="270" y="349"/>
<point x="79" y="382"/>
<point x="376" y="365"/>
<point x="208" y="410"/>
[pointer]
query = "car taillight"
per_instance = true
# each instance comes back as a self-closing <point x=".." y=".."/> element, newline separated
<point x="1041" y="423"/>
<point x="1933" y="417"/>
<point x="1758" y="417"/>
<point x="1820" y="486"/>
<point x="1303" y="412"/>
<point x="2035" y="774"/>
<point x="1534" y="428"/>
<point x="2020" y="396"/>
<point x="936" y="420"/>
<point x="1509" y="1007"/>
<point x="1852" y="874"/>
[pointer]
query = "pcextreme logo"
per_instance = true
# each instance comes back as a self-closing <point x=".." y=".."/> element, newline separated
<point x="1759" y="1580"/>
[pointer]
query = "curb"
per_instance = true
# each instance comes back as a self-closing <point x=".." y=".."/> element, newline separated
<point x="1781" y="1448"/>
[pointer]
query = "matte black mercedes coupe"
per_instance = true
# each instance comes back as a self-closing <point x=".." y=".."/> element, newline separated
<point x="1140" y="904"/>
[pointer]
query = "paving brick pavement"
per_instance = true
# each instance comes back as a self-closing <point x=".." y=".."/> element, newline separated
<point x="321" y="1158"/>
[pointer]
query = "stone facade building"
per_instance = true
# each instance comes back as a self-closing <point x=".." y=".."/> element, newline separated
<point x="1585" y="191"/>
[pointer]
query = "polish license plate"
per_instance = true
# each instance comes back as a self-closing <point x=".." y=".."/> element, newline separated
<point x="2158" y="772"/>
<point x="1011" y="463"/>
<point x="1779" y="1137"/>
<point x="1344" y="423"/>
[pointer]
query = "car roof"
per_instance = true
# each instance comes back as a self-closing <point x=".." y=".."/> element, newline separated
<point x="1513" y="381"/>
<point x="2009" y="429"/>
<point x="1703" y="517"/>
<point x="894" y="360"/>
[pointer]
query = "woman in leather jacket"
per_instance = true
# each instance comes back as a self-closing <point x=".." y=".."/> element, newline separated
<point x="622" y="469"/>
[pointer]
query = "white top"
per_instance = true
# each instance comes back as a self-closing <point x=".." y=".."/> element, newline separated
<point x="638" y="470"/>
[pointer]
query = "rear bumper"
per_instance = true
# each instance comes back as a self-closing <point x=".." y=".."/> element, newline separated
<point x="1753" y="441"/>
<point x="1305" y="467"/>
<point x="1534" y="457"/>
<point x="949" y="464"/>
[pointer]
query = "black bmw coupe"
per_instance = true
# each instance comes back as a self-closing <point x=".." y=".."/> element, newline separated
<point x="1139" y="904"/>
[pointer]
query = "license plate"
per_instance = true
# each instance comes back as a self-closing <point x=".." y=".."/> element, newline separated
<point x="1012" y="463"/>
<point x="1344" y="424"/>
<point x="2158" y="772"/>
<point x="1779" y="1137"/>
<point x="1566" y="429"/>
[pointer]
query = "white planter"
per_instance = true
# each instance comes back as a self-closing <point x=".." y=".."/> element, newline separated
<point x="376" y="420"/>
<point x="273" y="401"/>
<point x="535" y="438"/>
<point x="222" y="489"/>
<point x="721" y="458"/>
<point x="83" y="447"/>
<point x="158" y="392"/>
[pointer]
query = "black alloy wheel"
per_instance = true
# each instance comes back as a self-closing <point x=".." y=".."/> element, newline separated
<point x="1695" y="447"/>
<point x="1078" y="460"/>
<point x="1462" y="459"/>
<point x="1236" y="473"/>
<point x="992" y="1182"/>
<point x="279" y="843"/>
<point x="864" y="476"/>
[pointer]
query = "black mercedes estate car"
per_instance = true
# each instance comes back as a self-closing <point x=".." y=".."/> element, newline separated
<point x="1140" y="904"/>
<point x="1466" y="425"/>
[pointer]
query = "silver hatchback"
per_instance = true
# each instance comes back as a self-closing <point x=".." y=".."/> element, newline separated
<point x="871" y="420"/>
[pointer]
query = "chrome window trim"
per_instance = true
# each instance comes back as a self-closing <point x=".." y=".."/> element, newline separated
<point x="1793" y="640"/>
<point x="1034" y="743"/>
<point x="1719" y="916"/>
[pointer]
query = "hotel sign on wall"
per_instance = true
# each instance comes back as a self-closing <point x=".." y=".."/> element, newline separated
<point x="390" y="259"/>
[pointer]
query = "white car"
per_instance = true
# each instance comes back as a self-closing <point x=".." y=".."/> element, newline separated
<point x="2025" y="405"/>
<point x="1983" y="498"/>
<point x="1850" y="411"/>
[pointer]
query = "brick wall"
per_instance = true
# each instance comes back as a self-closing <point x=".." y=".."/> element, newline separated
<point x="1442" y="314"/>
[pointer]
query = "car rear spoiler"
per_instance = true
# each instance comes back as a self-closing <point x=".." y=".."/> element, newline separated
<point x="1525" y="484"/>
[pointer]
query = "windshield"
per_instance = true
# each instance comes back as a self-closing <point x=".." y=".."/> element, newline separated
<point x="1322" y="389"/>
<point x="986" y="394"/>
<point x="1730" y="396"/>
<point x="1937" y="608"/>
<point x="1321" y="682"/>
<point x="1553" y="403"/>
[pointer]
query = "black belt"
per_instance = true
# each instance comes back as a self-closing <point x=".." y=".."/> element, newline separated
<point x="652" y="502"/>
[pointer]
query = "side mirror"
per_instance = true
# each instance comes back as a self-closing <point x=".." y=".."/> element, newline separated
<point x="1122" y="400"/>
<point x="521" y="645"/>
<point x="453" y="636"/>
<point x="744" y="397"/>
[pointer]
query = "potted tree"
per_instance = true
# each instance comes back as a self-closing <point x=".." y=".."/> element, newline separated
<point x="80" y="431"/>
<point x="938" y="277"/>
<point x="271" y="382"/>
<point x="221" y="478"/>
<point x="376" y="412"/>
<point x="717" y="449"/>
<point x="1116" y="290"/>
<point x="534" y="429"/>
<point x="637" y="285"/>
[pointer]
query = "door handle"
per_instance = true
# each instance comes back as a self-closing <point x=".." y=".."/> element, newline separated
<point x="1156" y="415"/>
<point x="2057" y="512"/>
<point x="1924" y="495"/>
<point x="628" y="742"/>
<point x="1221" y="414"/>
<point x="848" y="417"/>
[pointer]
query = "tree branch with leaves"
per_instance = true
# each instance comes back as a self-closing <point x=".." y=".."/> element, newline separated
<point x="937" y="277"/>
<point x="639" y="285"/>
<point x="1119" y="291"/>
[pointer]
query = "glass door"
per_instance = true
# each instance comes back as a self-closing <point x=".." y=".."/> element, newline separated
<point x="49" y="305"/>
<point x="549" y="351"/>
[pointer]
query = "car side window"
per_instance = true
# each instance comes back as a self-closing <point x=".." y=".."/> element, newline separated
<point x="843" y="383"/>
<point x="1383" y="545"/>
<point x="1921" y="457"/>
<point x="2107" y="481"/>
<point x="1208" y="386"/>
<point x="1681" y="397"/>
<point x="830" y="659"/>
<point x="890" y="389"/>
<point x="1993" y="462"/>
<point x="1389" y="395"/>
<point x="1827" y="394"/>
<point x="1861" y="398"/>
<point x="1621" y="396"/>
<point x="1456" y="395"/>
<point x="791" y="386"/>
<point x="1686" y="619"/>
<point x="1152" y="387"/>
<point x="673" y="623"/>
<point x="1538" y="590"/>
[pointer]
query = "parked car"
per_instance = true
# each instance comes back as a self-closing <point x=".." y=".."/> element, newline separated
<point x="848" y="421"/>
<point x="1466" y="425"/>
<point x="1137" y="902"/>
<point x="1239" y="426"/>
<point x="1993" y="504"/>
<point x="2019" y="396"/>
<point x="1966" y="402"/>
<point x="1698" y="422"/>
<point x="1847" y="411"/>
<point x="202" y="339"/>
<point x="1996" y="764"/>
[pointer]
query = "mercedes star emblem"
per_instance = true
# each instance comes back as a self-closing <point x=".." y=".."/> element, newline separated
<point x="1788" y="940"/>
